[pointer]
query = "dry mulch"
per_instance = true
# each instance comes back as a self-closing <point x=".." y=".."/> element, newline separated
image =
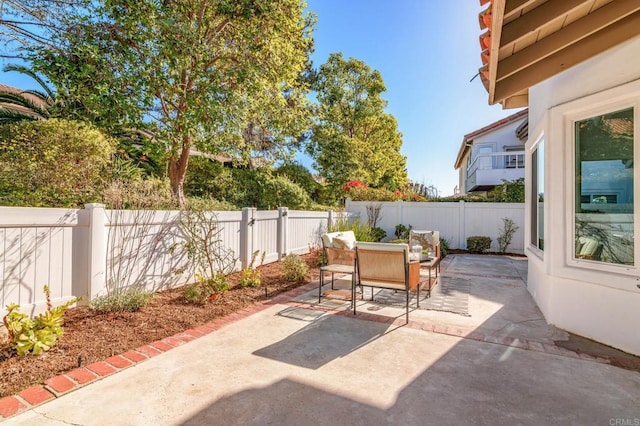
<point x="90" y="337"/>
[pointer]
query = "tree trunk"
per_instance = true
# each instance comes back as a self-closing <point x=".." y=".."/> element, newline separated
<point x="178" y="171"/>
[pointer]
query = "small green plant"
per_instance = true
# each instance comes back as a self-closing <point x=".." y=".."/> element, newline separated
<point x="378" y="234"/>
<point x="362" y="231"/>
<point x="444" y="247"/>
<point x="402" y="232"/>
<point x="204" y="289"/>
<point x="294" y="268"/>
<point x="506" y="233"/>
<point x="131" y="299"/>
<point x="38" y="334"/>
<point x="478" y="244"/>
<point x="250" y="275"/>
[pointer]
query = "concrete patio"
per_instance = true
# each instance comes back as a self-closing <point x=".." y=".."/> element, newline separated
<point x="296" y="362"/>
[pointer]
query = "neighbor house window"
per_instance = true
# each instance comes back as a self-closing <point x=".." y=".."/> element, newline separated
<point x="604" y="187"/>
<point x="537" y="196"/>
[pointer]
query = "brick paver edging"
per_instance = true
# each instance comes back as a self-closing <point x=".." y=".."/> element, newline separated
<point x="75" y="379"/>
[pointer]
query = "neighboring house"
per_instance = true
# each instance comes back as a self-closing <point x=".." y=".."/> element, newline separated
<point x="493" y="154"/>
<point x="576" y="65"/>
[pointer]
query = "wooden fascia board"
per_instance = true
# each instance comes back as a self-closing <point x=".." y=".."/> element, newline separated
<point x="497" y="13"/>
<point x="570" y="34"/>
<point x="573" y="54"/>
<point x="537" y="18"/>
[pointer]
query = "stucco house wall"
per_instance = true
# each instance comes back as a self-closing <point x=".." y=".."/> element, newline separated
<point x="593" y="299"/>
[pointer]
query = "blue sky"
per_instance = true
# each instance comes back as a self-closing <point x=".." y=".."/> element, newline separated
<point x="427" y="51"/>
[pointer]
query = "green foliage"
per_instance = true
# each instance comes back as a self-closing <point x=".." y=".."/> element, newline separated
<point x="380" y="194"/>
<point x="478" y="244"/>
<point x="294" y="268"/>
<point x="362" y="231"/>
<point x="52" y="163"/>
<point x="353" y="136"/>
<point x="301" y="176"/>
<point x="251" y="276"/>
<point x="508" y="192"/>
<point x="444" y="247"/>
<point x="402" y="232"/>
<point x="131" y="299"/>
<point x="204" y="289"/>
<point x="216" y="76"/>
<point x="506" y="233"/>
<point x="378" y="234"/>
<point x="38" y="334"/>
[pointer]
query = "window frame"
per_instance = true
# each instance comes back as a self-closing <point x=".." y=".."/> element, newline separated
<point x="569" y="119"/>
<point x="533" y="199"/>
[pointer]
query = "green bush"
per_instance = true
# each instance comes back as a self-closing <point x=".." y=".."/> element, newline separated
<point x="478" y="244"/>
<point x="53" y="163"/>
<point x="201" y="291"/>
<point x="37" y="335"/>
<point x="251" y="276"/>
<point x="444" y="247"/>
<point x="402" y="232"/>
<point x="131" y="299"/>
<point x="378" y="234"/>
<point x="362" y="231"/>
<point x="294" y="268"/>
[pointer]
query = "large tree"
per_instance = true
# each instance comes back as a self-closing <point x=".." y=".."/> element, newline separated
<point x="197" y="73"/>
<point x="353" y="137"/>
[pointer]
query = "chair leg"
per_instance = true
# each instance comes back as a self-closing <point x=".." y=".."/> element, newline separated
<point x="418" y="294"/>
<point x="332" y="282"/>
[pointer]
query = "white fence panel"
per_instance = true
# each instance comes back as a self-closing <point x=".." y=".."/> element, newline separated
<point x="265" y="231"/>
<point x="305" y="230"/>
<point x="455" y="221"/>
<point x="84" y="253"/>
<point x="44" y="247"/>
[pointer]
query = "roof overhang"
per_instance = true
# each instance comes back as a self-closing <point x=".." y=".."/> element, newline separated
<point x="528" y="41"/>
<point x="467" y="140"/>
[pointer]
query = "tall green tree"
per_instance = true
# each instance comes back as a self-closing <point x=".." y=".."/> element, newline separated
<point x="353" y="137"/>
<point x="195" y="72"/>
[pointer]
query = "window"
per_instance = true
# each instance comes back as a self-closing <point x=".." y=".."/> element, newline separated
<point x="604" y="187"/>
<point x="537" y="195"/>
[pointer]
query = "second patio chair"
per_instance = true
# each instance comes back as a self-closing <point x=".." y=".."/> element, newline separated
<point x="384" y="265"/>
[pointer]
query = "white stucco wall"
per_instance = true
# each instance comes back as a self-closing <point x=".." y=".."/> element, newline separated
<point x="591" y="299"/>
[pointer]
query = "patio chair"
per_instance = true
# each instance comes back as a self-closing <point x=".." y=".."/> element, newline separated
<point x="339" y="257"/>
<point x="588" y="248"/>
<point x="429" y="240"/>
<point x="384" y="265"/>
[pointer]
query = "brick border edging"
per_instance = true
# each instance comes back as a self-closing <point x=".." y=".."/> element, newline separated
<point x="75" y="379"/>
<point x="70" y="381"/>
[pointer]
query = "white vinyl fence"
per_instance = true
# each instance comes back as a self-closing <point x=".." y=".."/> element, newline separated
<point x="80" y="252"/>
<point x="455" y="221"/>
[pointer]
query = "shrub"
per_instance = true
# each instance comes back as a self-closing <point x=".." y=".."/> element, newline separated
<point x="202" y="290"/>
<point x="128" y="300"/>
<point x="53" y="163"/>
<point x="402" y="232"/>
<point x="251" y="276"/>
<point x="506" y="233"/>
<point x="294" y="268"/>
<point x="378" y="234"/>
<point x="478" y="244"/>
<point x="444" y="247"/>
<point x="362" y="231"/>
<point x="37" y="335"/>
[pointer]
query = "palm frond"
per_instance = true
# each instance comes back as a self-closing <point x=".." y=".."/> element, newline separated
<point x="18" y="100"/>
<point x="9" y="116"/>
<point x="29" y="72"/>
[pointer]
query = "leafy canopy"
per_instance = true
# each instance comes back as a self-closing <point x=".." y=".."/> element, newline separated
<point x="353" y="137"/>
